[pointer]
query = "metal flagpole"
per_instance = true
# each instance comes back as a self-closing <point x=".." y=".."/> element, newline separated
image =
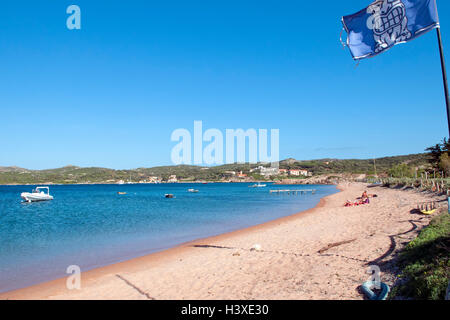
<point x="444" y="76"/>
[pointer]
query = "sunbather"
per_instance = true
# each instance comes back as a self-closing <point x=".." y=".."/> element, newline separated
<point x="349" y="204"/>
<point x="357" y="203"/>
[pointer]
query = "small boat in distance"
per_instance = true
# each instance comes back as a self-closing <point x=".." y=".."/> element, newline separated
<point x="258" y="185"/>
<point x="122" y="193"/>
<point x="168" y="195"/>
<point x="192" y="190"/>
<point x="37" y="194"/>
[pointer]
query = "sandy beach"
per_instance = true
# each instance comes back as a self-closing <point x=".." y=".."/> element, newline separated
<point x="322" y="253"/>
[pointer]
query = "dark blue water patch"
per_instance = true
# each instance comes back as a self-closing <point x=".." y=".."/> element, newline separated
<point x="92" y="226"/>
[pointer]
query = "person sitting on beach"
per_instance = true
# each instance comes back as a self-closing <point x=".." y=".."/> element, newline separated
<point x="366" y="195"/>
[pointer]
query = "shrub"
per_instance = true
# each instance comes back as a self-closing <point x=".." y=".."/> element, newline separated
<point x="426" y="263"/>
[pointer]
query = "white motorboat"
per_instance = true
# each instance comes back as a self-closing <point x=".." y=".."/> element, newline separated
<point x="192" y="190"/>
<point x="259" y="185"/>
<point x="37" y="194"/>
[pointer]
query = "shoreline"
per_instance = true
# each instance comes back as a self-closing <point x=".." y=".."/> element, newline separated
<point x="152" y="258"/>
<point x="275" y="183"/>
<point x="316" y="254"/>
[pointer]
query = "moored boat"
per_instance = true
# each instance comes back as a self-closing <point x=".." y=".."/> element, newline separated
<point x="37" y="194"/>
<point x="258" y="185"/>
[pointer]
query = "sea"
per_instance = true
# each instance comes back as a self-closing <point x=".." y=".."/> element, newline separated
<point x="92" y="226"/>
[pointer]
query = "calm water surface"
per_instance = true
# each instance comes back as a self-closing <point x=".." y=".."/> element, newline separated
<point x="92" y="226"/>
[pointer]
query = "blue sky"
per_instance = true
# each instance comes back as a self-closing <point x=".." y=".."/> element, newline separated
<point x="111" y="93"/>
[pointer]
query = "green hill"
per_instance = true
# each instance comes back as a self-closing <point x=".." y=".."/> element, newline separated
<point x="73" y="174"/>
<point x="382" y="165"/>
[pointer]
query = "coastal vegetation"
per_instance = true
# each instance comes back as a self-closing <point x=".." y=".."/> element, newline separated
<point x="425" y="263"/>
<point x="72" y="174"/>
<point x="438" y="166"/>
<point x="431" y="184"/>
<point x="433" y="175"/>
<point x="439" y="157"/>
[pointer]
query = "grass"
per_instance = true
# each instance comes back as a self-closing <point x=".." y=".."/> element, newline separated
<point x="425" y="262"/>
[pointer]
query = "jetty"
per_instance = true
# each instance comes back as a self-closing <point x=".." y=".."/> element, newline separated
<point x="293" y="191"/>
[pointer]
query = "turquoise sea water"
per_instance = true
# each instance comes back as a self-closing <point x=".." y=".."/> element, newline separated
<point x="92" y="226"/>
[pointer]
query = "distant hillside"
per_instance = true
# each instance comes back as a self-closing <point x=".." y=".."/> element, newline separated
<point x="12" y="169"/>
<point x="73" y="174"/>
<point x="382" y="165"/>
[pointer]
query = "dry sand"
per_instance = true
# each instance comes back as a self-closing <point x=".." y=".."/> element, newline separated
<point x="322" y="253"/>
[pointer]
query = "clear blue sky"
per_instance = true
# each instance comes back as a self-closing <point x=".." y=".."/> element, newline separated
<point x="111" y="93"/>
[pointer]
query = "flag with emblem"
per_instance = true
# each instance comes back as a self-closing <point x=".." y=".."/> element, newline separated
<point x="385" y="23"/>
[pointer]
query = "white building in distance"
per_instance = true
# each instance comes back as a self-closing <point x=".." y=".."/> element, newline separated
<point x="172" y="179"/>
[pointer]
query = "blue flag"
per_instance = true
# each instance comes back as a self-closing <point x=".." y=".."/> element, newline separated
<point x="386" y="23"/>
